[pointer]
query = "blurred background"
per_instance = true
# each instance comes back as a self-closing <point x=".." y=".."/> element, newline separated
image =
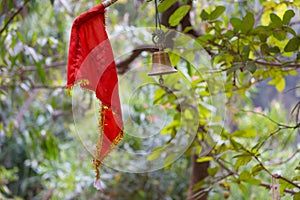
<point x="255" y="147"/>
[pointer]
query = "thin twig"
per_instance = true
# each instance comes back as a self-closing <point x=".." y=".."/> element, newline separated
<point x="294" y="23"/>
<point x="270" y="119"/>
<point x="268" y="186"/>
<point x="54" y="87"/>
<point x="291" y="89"/>
<point x="223" y="165"/>
<point x="296" y="111"/>
<point x="69" y="12"/>
<point x="123" y="65"/>
<point x="13" y="16"/>
<point x="287" y="180"/>
<point x="293" y="65"/>
<point x="200" y="193"/>
<point x="50" y="66"/>
<point x="277" y="176"/>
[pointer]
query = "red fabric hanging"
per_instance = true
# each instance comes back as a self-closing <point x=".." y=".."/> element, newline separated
<point x="91" y="63"/>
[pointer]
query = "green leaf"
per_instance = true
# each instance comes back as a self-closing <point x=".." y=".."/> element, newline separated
<point x="141" y="193"/>
<point x="187" y="29"/>
<point x="244" y="175"/>
<point x="296" y="178"/>
<point x="204" y="159"/>
<point x="243" y="188"/>
<point x="251" y="67"/>
<point x="155" y="154"/>
<point x="170" y="127"/>
<point x="293" y="73"/>
<point x="229" y="34"/>
<point x="276" y="21"/>
<point x="296" y="196"/>
<point x="292" y="45"/>
<point x="245" y="52"/>
<point x="174" y="58"/>
<point x="262" y="30"/>
<point x="242" y="159"/>
<point x="263" y="37"/>
<point x="4" y="93"/>
<point x="178" y="15"/>
<point x="236" y="24"/>
<point x="205" y="38"/>
<point x="247" y="133"/>
<point x="285" y="185"/>
<point x="165" y="5"/>
<point x="256" y="169"/>
<point x="288" y="15"/>
<point x="253" y="181"/>
<point x="158" y="96"/>
<point x="188" y="114"/>
<point x="290" y="30"/>
<point x="21" y="36"/>
<point x="41" y="72"/>
<point x="212" y="171"/>
<point x="279" y="83"/>
<point x="234" y="68"/>
<point x="217" y="12"/>
<point x="279" y="34"/>
<point x="235" y="144"/>
<point x="274" y="49"/>
<point x="204" y="15"/>
<point x="247" y="23"/>
<point x="169" y="159"/>
<point x="264" y="48"/>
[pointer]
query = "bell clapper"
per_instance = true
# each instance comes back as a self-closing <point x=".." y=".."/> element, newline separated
<point x="161" y="80"/>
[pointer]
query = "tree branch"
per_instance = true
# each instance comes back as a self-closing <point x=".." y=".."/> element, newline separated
<point x="287" y="180"/>
<point x="231" y="172"/>
<point x="69" y="12"/>
<point x="294" y="65"/>
<point x="49" y="87"/>
<point x="123" y="65"/>
<point x="280" y="125"/>
<point x="268" y="186"/>
<point x="50" y="66"/>
<point x="294" y="23"/>
<point x="277" y="176"/>
<point x="13" y="16"/>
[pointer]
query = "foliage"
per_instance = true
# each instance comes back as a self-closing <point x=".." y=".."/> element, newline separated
<point x="249" y="42"/>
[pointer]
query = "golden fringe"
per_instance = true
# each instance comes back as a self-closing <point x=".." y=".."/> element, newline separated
<point x="82" y="83"/>
<point x="96" y="162"/>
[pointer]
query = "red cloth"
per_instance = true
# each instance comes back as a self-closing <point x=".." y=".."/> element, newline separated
<point x="91" y="62"/>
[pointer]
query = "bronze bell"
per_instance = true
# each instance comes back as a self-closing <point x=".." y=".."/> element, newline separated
<point x="161" y="64"/>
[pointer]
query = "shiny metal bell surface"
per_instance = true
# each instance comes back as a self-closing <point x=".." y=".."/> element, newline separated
<point x="161" y="64"/>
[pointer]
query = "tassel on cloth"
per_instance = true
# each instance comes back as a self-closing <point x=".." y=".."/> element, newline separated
<point x="97" y="183"/>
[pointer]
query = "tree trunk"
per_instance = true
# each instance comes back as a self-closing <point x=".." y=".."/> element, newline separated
<point x="198" y="173"/>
